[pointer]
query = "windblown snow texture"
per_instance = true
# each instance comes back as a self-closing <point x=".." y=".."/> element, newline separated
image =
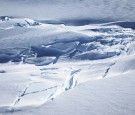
<point x="54" y="62"/>
<point x="77" y="11"/>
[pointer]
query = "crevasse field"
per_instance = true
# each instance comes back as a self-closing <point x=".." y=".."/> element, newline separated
<point x="67" y="57"/>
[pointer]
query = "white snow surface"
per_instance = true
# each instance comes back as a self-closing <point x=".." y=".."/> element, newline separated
<point x="70" y="9"/>
<point x="85" y="69"/>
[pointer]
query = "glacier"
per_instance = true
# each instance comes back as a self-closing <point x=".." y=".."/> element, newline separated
<point x="51" y="64"/>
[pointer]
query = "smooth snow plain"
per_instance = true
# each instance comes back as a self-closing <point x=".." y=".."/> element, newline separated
<point x="56" y="69"/>
<point x="84" y="11"/>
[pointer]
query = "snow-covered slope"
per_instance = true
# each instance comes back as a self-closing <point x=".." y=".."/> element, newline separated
<point x="56" y="69"/>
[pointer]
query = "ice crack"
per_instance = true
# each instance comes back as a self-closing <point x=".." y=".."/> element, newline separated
<point x="107" y="70"/>
<point x="19" y="97"/>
